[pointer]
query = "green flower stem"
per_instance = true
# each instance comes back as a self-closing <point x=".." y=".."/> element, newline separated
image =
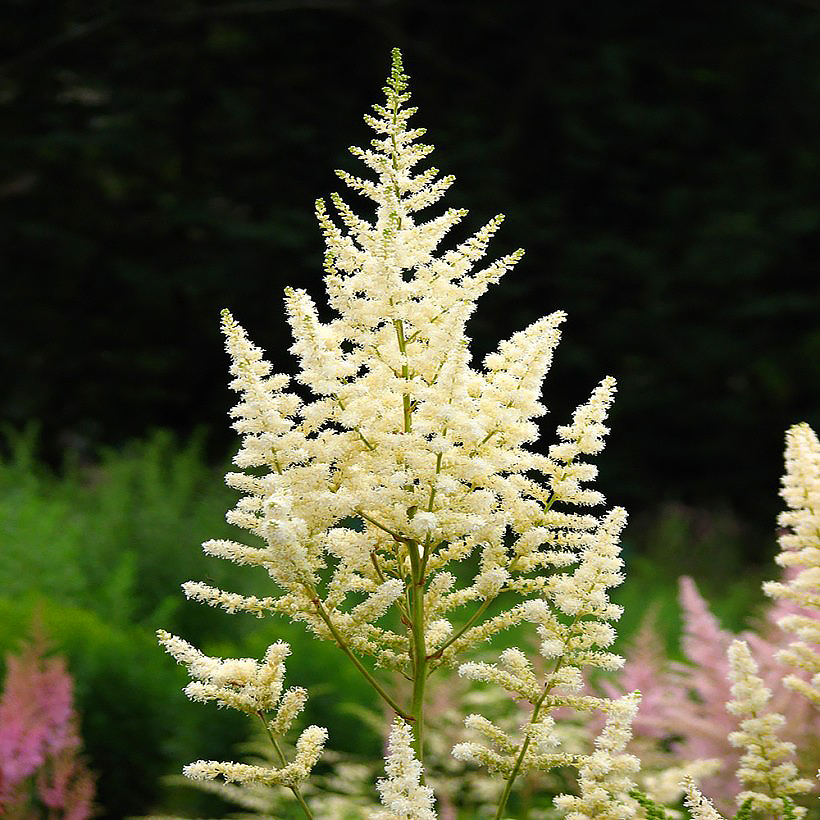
<point x="283" y="760"/>
<point x="419" y="651"/>
<point x="524" y="746"/>
<point x="396" y="537"/>
<point x="405" y="374"/>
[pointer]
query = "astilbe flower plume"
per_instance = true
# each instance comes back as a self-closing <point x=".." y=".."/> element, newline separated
<point x="257" y="690"/>
<point x="39" y="739"/>
<point x="402" y="791"/>
<point x="405" y="458"/>
<point x="766" y="769"/>
<point x="800" y="551"/>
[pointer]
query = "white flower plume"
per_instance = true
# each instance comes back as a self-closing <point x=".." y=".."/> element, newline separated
<point x="800" y="553"/>
<point x="765" y="770"/>
<point x="256" y="689"/>
<point x="402" y="792"/>
<point x="401" y="433"/>
<point x="700" y="807"/>
<point x="401" y="458"/>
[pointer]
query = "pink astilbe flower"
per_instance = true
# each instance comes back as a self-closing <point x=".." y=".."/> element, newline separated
<point x="64" y="782"/>
<point x="39" y="738"/>
<point x="702" y="687"/>
<point x="646" y="672"/>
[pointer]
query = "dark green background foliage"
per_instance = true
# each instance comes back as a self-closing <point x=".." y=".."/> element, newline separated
<point x="159" y="161"/>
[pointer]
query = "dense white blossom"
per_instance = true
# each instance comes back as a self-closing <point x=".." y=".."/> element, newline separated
<point x="389" y="456"/>
<point x="800" y="555"/>
<point x="765" y="770"/>
<point x="402" y="792"/>
<point x="256" y="689"/>
<point x="400" y="432"/>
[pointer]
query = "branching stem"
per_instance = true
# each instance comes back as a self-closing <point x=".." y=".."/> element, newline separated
<point x="535" y="712"/>
<point x="342" y="644"/>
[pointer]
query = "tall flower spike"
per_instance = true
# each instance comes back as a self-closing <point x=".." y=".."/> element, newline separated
<point x="764" y="770"/>
<point x="405" y="458"/>
<point x="800" y="549"/>
<point x="402" y="792"/>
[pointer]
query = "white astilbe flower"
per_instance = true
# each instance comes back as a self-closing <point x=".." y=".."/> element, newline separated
<point x="241" y="683"/>
<point x="401" y="433"/>
<point x="309" y="749"/>
<point x="256" y="689"/>
<point x="800" y="551"/>
<point x="402" y="792"/>
<point x="581" y="597"/>
<point x="605" y="777"/>
<point x="764" y="770"/>
<point x="401" y="458"/>
<point x="699" y="806"/>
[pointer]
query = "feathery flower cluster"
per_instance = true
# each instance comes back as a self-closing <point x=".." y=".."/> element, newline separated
<point x="401" y="434"/>
<point x="605" y="776"/>
<point x="699" y="806"/>
<point x="572" y="621"/>
<point x="400" y="459"/>
<point x="800" y="550"/>
<point x="405" y="458"/>
<point x="256" y="689"/>
<point x="402" y="791"/>
<point x="767" y="780"/>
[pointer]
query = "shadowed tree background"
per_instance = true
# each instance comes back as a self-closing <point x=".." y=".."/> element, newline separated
<point x="159" y="161"/>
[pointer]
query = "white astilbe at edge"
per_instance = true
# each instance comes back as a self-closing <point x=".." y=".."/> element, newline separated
<point x="402" y="792"/>
<point x="800" y="550"/>
<point x="765" y="771"/>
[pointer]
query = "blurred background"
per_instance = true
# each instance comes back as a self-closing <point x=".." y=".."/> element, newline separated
<point x="160" y="160"/>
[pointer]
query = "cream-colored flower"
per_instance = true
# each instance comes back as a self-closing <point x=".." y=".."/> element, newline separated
<point x="765" y="771"/>
<point x="256" y="689"/>
<point x="402" y="792"/>
<point x="401" y="458"/>
<point x="700" y="806"/>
